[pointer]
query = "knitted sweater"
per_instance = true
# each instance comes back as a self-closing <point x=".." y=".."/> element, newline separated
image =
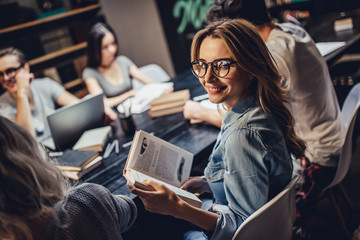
<point x="90" y="211"/>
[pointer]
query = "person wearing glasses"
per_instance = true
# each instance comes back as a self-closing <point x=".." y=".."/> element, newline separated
<point x="250" y="162"/>
<point x="312" y="98"/>
<point x="37" y="202"/>
<point x="106" y="71"/>
<point x="27" y="101"/>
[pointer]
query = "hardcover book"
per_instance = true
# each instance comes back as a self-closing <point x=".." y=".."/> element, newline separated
<point x="169" y="104"/>
<point x="153" y="158"/>
<point x="93" y="139"/>
<point x="76" y="175"/>
<point x="74" y="160"/>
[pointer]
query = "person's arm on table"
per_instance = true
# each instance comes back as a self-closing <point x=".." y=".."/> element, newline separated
<point x="193" y="110"/>
<point x="66" y="98"/>
<point x="94" y="88"/>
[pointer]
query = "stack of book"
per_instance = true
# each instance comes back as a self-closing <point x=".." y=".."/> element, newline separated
<point x="85" y="154"/>
<point x="75" y="164"/>
<point x="169" y="103"/>
<point x="93" y="139"/>
<point x="343" y="24"/>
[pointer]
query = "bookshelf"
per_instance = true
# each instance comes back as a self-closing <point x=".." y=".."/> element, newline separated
<point x="43" y="24"/>
<point x="48" y="52"/>
<point x="51" y="59"/>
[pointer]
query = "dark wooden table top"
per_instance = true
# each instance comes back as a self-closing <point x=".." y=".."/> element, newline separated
<point x="197" y="139"/>
<point x="321" y="29"/>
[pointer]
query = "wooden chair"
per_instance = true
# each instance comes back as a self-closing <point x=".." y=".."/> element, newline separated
<point x="274" y="220"/>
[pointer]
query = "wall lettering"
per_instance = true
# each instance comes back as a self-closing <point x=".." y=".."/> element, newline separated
<point x="192" y="11"/>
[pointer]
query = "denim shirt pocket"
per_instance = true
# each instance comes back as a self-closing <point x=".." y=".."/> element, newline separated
<point x="214" y="171"/>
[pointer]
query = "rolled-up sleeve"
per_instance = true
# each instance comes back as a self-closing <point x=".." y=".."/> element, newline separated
<point x="227" y="222"/>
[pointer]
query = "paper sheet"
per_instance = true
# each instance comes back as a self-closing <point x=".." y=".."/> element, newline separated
<point x="328" y="47"/>
<point x="141" y="101"/>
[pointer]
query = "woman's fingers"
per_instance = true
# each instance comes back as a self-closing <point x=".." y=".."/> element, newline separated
<point x="152" y="186"/>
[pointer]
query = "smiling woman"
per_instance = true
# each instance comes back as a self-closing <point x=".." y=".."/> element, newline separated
<point x="25" y="101"/>
<point x="251" y="161"/>
<point x="226" y="83"/>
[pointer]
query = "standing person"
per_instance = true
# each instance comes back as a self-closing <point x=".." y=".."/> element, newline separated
<point x="106" y="71"/>
<point x="312" y="98"/>
<point x="250" y="163"/>
<point x="36" y="202"/>
<point x="27" y="101"/>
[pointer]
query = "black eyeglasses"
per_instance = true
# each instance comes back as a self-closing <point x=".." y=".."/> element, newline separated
<point x="10" y="72"/>
<point x="220" y="67"/>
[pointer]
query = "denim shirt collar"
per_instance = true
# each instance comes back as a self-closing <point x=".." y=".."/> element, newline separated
<point x="239" y="108"/>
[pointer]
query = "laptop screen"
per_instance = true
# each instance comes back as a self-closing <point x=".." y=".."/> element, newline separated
<point x="69" y="122"/>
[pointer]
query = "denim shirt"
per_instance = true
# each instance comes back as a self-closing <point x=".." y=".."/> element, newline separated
<point x="249" y="165"/>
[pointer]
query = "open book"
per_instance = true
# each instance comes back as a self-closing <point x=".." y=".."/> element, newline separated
<point x="151" y="158"/>
<point x="328" y="47"/>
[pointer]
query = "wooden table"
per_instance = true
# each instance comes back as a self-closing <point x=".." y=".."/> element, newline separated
<point x="321" y="29"/>
<point x="197" y="139"/>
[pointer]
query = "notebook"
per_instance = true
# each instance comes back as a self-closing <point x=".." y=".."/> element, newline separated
<point x="69" y="122"/>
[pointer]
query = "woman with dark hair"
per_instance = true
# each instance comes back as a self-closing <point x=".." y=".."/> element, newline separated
<point x="106" y="71"/>
<point x="250" y="162"/>
<point x="36" y="202"/>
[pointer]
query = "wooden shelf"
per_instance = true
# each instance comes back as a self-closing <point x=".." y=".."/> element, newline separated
<point x="45" y="23"/>
<point x="26" y="31"/>
<point x="73" y="83"/>
<point x="51" y="59"/>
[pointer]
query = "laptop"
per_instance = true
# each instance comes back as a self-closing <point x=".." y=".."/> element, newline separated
<point x="69" y="122"/>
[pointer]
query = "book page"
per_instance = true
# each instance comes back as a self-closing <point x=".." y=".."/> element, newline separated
<point x="328" y="47"/>
<point x="138" y="177"/>
<point x="160" y="159"/>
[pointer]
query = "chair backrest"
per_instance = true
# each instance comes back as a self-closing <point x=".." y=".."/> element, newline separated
<point x="274" y="220"/>
<point x="350" y="103"/>
<point x="347" y="149"/>
<point x="153" y="71"/>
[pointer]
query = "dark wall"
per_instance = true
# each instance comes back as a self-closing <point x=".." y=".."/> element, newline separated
<point x="181" y="19"/>
<point x="324" y="6"/>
